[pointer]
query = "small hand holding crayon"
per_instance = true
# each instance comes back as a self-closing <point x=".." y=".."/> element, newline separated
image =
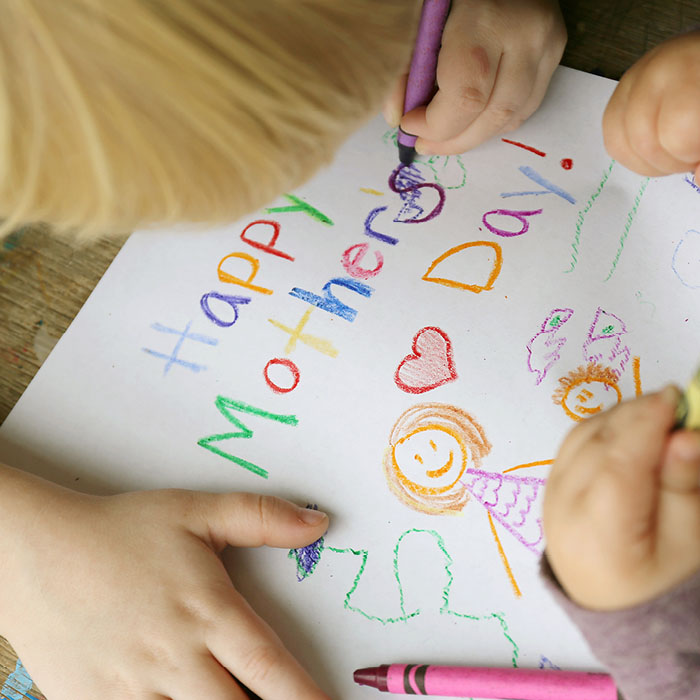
<point x="622" y="505"/>
<point x="493" y="70"/>
<point x="651" y="124"/>
<point x="126" y="597"/>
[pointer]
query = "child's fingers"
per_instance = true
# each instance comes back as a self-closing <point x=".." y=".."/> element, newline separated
<point x="680" y="471"/>
<point x="628" y="457"/>
<point x="580" y="460"/>
<point x="466" y="72"/>
<point x="263" y="664"/>
<point x="252" y="520"/>
<point x="539" y="88"/>
<point x="625" y="445"/>
<point x="512" y="89"/>
<point x="204" y="677"/>
<point x="642" y="128"/>
<point x="393" y="106"/>
<point x="634" y="441"/>
<point x="679" y="125"/>
<point x="617" y="141"/>
<point x="547" y="65"/>
<point x="452" y="109"/>
<point x="661" y="122"/>
<point x="650" y="123"/>
<point x="466" y="75"/>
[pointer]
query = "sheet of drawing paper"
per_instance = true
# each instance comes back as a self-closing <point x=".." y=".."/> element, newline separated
<point x="403" y="347"/>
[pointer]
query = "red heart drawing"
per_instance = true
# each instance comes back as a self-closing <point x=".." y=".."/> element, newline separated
<point x="430" y="363"/>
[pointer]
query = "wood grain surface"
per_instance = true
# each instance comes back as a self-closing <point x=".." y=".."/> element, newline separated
<point x="44" y="281"/>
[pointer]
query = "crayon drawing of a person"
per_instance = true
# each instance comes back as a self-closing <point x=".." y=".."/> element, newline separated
<point x="433" y="465"/>
<point x="587" y="390"/>
<point x="431" y="446"/>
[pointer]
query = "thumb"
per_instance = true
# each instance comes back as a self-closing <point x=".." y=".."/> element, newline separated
<point x="252" y="520"/>
<point x="680" y="471"/>
<point x="393" y="106"/>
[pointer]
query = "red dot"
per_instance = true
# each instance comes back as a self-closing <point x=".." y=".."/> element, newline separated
<point x="566" y="163"/>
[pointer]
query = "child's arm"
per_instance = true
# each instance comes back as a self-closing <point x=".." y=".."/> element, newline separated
<point x="622" y="520"/>
<point x="652" y="122"/>
<point x="126" y="597"/>
<point x="496" y="60"/>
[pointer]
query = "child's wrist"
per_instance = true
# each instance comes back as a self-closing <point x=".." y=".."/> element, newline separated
<point x="24" y="499"/>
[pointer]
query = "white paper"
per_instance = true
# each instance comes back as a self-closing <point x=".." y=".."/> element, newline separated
<point x="606" y="271"/>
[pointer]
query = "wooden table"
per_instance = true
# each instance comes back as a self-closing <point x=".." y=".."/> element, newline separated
<point x="44" y="281"/>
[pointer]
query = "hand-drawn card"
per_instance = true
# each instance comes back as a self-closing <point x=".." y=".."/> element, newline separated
<point x="403" y="347"/>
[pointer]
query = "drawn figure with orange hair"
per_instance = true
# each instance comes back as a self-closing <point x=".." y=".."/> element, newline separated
<point x="433" y="465"/>
<point x="587" y="390"/>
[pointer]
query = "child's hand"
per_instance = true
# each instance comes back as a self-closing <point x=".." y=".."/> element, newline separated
<point x="652" y="122"/>
<point x="125" y="598"/>
<point x="496" y="60"/>
<point x="622" y="505"/>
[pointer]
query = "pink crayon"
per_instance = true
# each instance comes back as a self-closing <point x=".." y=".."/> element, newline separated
<point x="478" y="682"/>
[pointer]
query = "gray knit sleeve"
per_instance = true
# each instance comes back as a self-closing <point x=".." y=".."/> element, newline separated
<point x="652" y="650"/>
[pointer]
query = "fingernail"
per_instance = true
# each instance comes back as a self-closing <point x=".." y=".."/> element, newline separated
<point x="311" y="516"/>
<point x="391" y="116"/>
<point x="671" y="394"/>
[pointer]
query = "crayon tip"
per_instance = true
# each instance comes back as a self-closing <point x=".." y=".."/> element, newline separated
<point x="365" y="676"/>
<point x="373" y="677"/>
<point x="406" y="154"/>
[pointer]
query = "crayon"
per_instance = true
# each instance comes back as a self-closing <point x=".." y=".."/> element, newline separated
<point x="504" y="683"/>
<point x="688" y="410"/>
<point x="421" y="75"/>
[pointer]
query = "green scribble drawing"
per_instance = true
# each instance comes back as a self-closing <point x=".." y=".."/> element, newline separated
<point x="298" y="204"/>
<point x="444" y="161"/>
<point x="556" y="320"/>
<point x="406" y="615"/>
<point x="628" y="225"/>
<point x="433" y="162"/>
<point x="390" y="137"/>
<point x="582" y="215"/>
<point x="608" y="330"/>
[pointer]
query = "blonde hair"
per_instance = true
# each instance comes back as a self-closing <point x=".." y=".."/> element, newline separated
<point x="116" y="114"/>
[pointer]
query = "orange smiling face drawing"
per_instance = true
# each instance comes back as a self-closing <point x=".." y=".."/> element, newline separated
<point x="430" y="447"/>
<point x="587" y="390"/>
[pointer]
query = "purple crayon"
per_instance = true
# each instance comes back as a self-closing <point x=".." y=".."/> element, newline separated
<point x="421" y="76"/>
<point x="479" y="682"/>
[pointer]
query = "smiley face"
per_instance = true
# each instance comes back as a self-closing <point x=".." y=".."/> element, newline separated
<point x="588" y="396"/>
<point x="430" y="459"/>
